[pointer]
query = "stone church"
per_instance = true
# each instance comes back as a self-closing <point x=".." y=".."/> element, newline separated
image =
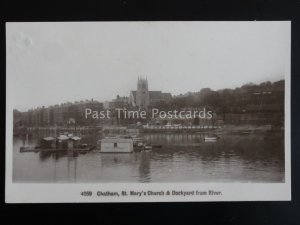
<point x="143" y="98"/>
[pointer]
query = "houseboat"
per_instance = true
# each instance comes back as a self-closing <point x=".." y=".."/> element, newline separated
<point x="61" y="143"/>
<point x="116" y="145"/>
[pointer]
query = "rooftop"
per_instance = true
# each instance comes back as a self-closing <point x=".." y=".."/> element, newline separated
<point x="116" y="140"/>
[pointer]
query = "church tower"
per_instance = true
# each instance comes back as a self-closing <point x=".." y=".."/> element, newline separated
<point x="142" y="94"/>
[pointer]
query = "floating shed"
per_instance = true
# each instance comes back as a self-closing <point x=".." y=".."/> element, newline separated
<point x="63" y="142"/>
<point x="48" y="142"/>
<point x="116" y="145"/>
<point x="74" y="141"/>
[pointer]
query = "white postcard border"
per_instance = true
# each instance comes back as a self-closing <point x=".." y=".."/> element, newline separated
<point x="70" y="192"/>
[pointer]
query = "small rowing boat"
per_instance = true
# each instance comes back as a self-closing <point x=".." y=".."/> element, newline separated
<point x="147" y="148"/>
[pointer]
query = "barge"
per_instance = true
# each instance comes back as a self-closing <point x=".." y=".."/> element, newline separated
<point x="59" y="144"/>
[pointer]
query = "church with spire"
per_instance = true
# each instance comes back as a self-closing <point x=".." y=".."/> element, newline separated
<point x="143" y="98"/>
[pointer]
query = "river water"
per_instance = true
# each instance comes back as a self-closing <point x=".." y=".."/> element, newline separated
<point x="182" y="158"/>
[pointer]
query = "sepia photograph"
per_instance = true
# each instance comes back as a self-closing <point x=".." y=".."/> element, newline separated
<point x="193" y="105"/>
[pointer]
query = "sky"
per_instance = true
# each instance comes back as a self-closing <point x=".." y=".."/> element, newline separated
<point x="50" y="63"/>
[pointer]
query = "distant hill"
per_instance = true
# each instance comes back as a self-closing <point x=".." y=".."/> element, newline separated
<point x="263" y="97"/>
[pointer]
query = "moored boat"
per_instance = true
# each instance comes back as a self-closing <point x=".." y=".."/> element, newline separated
<point x="157" y="146"/>
<point x="28" y="149"/>
<point x="61" y="143"/>
<point x="147" y="147"/>
<point x="210" y="139"/>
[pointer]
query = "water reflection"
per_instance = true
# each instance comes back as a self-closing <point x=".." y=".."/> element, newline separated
<point x="144" y="167"/>
<point x="182" y="158"/>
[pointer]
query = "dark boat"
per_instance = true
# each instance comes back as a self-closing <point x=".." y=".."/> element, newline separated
<point x="157" y="146"/>
<point x="28" y="149"/>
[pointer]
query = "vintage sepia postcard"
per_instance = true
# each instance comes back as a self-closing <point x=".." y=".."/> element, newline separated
<point x="148" y="111"/>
